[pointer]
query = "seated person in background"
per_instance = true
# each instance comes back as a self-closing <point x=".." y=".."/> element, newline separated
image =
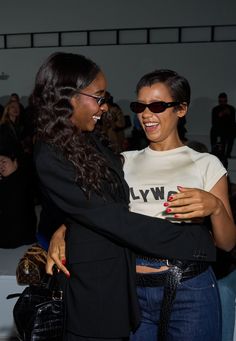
<point x="17" y="212"/>
<point x="11" y="119"/>
<point x="11" y="123"/>
<point x="14" y="97"/>
<point x="113" y="123"/>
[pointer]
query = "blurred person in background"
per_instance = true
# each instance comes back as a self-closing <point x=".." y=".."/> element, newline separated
<point x="17" y="211"/>
<point x="113" y="123"/>
<point x="223" y="128"/>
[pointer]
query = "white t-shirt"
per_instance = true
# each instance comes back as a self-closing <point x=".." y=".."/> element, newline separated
<point x="153" y="176"/>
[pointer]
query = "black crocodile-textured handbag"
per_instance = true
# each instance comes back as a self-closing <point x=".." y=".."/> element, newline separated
<point x="39" y="311"/>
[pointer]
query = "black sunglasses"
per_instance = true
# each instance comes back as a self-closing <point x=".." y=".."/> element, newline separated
<point x="99" y="99"/>
<point x="155" y="107"/>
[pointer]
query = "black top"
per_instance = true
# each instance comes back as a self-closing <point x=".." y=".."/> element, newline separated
<point x="17" y="215"/>
<point x="223" y="120"/>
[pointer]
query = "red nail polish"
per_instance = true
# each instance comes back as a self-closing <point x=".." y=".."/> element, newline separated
<point x="176" y="216"/>
<point x="170" y="198"/>
<point x="68" y="275"/>
<point x="166" y="204"/>
<point x="63" y="261"/>
<point x="168" y="210"/>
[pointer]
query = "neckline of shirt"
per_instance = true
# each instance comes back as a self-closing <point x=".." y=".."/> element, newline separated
<point x="152" y="152"/>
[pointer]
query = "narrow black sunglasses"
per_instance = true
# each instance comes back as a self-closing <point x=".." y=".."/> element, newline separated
<point x="155" y="107"/>
<point x="99" y="99"/>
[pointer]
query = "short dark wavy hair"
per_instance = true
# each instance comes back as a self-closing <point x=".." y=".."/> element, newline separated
<point x="59" y="78"/>
<point x="178" y="85"/>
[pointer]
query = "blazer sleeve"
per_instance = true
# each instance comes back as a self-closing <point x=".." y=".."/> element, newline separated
<point x="144" y="234"/>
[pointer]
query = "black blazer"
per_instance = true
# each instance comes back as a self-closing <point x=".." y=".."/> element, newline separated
<point x="101" y="293"/>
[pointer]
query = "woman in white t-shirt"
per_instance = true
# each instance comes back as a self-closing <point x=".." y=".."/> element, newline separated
<point x="175" y="308"/>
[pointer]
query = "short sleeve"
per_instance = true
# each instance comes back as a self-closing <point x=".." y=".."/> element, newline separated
<point x="214" y="170"/>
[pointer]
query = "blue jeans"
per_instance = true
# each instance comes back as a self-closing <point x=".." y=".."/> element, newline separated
<point x="195" y="316"/>
<point x="227" y="289"/>
<point x="72" y="337"/>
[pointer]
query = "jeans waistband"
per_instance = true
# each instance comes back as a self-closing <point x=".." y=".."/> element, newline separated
<point x="158" y="279"/>
<point x="178" y="271"/>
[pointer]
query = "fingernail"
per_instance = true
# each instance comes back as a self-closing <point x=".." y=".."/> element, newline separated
<point x="63" y="261"/>
<point x="179" y="187"/>
<point x="168" y="210"/>
<point x="170" y="198"/>
<point x="68" y="275"/>
<point x="166" y="204"/>
<point x="176" y="216"/>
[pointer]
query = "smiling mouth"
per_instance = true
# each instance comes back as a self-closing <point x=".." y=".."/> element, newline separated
<point x="151" y="124"/>
<point x="96" y="118"/>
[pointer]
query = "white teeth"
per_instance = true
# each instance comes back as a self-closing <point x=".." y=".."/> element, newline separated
<point x="151" y="124"/>
<point x="96" y="117"/>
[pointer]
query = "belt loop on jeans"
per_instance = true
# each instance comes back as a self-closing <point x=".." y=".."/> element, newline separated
<point x="170" y="279"/>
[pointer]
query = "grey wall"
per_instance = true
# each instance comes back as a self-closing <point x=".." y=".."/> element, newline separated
<point x="26" y="15"/>
<point x="210" y="67"/>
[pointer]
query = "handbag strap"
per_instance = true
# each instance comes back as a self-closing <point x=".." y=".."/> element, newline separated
<point x="37" y="257"/>
<point x="37" y="249"/>
<point x="51" y="282"/>
<point x="9" y="297"/>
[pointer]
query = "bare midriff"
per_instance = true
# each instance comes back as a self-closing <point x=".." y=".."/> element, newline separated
<point x="147" y="269"/>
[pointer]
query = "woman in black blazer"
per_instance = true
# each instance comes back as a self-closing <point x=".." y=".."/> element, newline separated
<point x="84" y="179"/>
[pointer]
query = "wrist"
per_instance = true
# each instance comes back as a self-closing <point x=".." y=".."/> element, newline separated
<point x="218" y="208"/>
<point x="60" y="232"/>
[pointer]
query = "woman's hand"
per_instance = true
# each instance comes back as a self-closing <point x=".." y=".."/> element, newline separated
<point x="192" y="203"/>
<point x="56" y="252"/>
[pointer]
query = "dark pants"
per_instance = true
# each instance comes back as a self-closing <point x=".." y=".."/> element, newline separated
<point x="226" y="142"/>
